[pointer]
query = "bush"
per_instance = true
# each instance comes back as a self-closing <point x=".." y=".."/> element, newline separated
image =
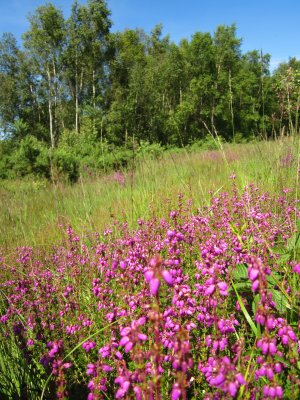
<point x="153" y="150"/>
<point x="65" y="165"/>
<point x="31" y="157"/>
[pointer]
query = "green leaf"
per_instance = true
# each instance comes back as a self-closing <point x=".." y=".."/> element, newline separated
<point x="255" y="303"/>
<point x="240" y="272"/>
<point x="243" y="286"/>
<point x="280" y="301"/>
<point x="245" y="312"/>
<point x="279" y="249"/>
<point x="274" y="279"/>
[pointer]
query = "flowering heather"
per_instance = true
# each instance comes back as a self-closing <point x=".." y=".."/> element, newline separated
<point x="203" y="304"/>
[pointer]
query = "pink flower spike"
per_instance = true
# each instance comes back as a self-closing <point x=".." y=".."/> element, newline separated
<point x="272" y="348"/>
<point x="154" y="286"/>
<point x="126" y="386"/>
<point x="265" y="347"/>
<point x="123" y="264"/>
<point x="155" y="261"/>
<point x="138" y="393"/>
<point x="279" y="392"/>
<point x="167" y="277"/>
<point x="118" y="355"/>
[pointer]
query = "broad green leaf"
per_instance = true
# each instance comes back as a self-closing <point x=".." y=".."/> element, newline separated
<point x="280" y="301"/>
<point x="240" y="272"/>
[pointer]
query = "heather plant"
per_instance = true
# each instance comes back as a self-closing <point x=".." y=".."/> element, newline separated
<point x="203" y="303"/>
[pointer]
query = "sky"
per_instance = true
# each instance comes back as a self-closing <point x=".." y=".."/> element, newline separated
<point x="268" y="25"/>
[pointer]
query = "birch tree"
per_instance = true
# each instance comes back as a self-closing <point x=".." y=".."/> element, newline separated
<point x="44" y="42"/>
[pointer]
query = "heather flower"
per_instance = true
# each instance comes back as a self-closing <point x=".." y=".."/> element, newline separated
<point x="131" y="335"/>
<point x="167" y="277"/>
<point x="222" y="374"/>
<point x="297" y="269"/>
<point x="150" y="340"/>
<point x="176" y="392"/>
<point x="154" y="286"/>
<point x="138" y="393"/>
<point x="153" y="275"/>
<point x="91" y="369"/>
<point x="88" y="345"/>
<point x="273" y="392"/>
<point x="124" y="386"/>
<point x="267" y="345"/>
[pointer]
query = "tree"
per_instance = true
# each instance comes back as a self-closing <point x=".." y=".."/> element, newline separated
<point x="228" y="56"/>
<point x="96" y="41"/>
<point x="74" y="58"/>
<point x="9" y="73"/>
<point x="287" y="87"/>
<point x="44" y="42"/>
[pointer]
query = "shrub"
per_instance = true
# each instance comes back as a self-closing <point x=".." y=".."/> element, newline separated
<point x="65" y="164"/>
<point x="31" y="157"/>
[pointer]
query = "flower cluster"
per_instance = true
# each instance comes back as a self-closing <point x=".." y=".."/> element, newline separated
<point x="197" y="304"/>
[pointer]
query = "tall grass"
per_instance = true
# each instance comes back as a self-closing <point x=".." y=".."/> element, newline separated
<point x="32" y="210"/>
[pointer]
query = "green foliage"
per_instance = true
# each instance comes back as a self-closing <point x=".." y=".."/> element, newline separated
<point x="207" y="143"/>
<point x="147" y="150"/>
<point x="108" y="89"/>
<point x="31" y="157"/>
<point x="65" y="164"/>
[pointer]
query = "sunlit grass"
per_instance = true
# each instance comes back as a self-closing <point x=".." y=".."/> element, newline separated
<point x="32" y="210"/>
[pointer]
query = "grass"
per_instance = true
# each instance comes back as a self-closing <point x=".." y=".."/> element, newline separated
<point x="33" y="210"/>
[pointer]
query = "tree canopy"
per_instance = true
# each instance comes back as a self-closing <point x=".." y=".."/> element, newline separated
<point x="74" y="80"/>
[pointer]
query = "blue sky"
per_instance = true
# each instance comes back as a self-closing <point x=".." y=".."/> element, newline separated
<point x="270" y="25"/>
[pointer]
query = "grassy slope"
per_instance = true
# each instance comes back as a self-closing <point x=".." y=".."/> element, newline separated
<point x="31" y="211"/>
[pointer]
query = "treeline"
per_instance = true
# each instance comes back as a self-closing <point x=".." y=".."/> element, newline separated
<point x="77" y="95"/>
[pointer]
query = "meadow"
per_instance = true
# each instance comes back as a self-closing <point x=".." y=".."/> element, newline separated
<point x="175" y="279"/>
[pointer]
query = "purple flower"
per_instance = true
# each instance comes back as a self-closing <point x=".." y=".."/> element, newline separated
<point x="149" y="275"/>
<point x="138" y="393"/>
<point x="142" y="337"/>
<point x="90" y="369"/>
<point x="154" y="286"/>
<point x="210" y="290"/>
<point x="232" y="388"/>
<point x="279" y="392"/>
<point x="297" y="269"/>
<point x="167" y="277"/>
<point x="124" y="341"/>
<point x="123" y="264"/>
<point x="128" y="347"/>
<point x="106" y="368"/>
<point x="223" y="287"/>
<point x="255" y="286"/>
<point x="253" y="274"/>
<point x="176" y="392"/>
